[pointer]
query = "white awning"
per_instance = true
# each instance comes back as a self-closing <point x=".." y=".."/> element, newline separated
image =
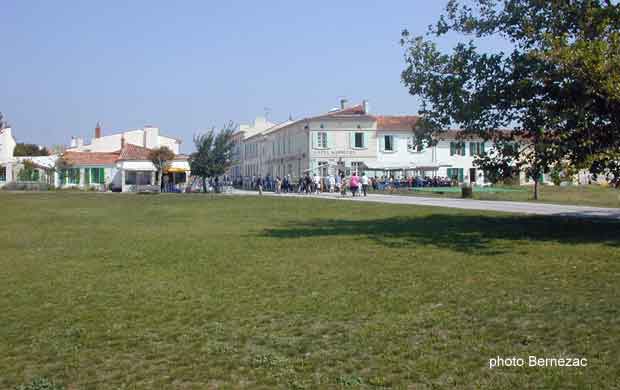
<point x="138" y="166"/>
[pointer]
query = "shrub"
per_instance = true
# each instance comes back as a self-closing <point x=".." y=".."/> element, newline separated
<point x="27" y="186"/>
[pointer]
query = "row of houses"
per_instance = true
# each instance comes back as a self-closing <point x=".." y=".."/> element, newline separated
<point x="352" y="139"/>
<point x="117" y="162"/>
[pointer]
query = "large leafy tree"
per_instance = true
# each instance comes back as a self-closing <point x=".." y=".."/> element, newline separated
<point x="22" y="149"/>
<point x="161" y="159"/>
<point x="213" y="153"/>
<point x="556" y="88"/>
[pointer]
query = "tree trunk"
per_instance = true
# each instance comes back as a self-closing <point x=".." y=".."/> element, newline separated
<point x="204" y="185"/>
<point x="536" y="189"/>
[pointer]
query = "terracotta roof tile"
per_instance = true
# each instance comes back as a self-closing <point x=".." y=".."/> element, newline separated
<point x="134" y="152"/>
<point x="406" y="122"/>
<point x="90" y="158"/>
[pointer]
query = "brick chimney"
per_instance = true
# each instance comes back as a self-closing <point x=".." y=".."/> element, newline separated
<point x="98" y="130"/>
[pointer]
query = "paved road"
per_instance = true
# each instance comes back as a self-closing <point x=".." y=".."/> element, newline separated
<point x="470" y="204"/>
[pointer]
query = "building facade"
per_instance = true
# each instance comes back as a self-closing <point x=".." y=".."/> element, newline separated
<point x="120" y="162"/>
<point x="352" y="139"/>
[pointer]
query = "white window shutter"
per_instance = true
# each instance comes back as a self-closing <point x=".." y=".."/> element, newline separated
<point x="330" y="140"/>
<point x="382" y="143"/>
<point x="367" y="137"/>
<point x="314" y="136"/>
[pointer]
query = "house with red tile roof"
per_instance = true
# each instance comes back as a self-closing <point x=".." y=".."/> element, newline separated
<point x="123" y="166"/>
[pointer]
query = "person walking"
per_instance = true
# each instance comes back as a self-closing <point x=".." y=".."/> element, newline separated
<point x="338" y="181"/>
<point x="259" y="185"/>
<point x="343" y="186"/>
<point x="308" y="183"/>
<point x="365" y="184"/>
<point x="354" y="184"/>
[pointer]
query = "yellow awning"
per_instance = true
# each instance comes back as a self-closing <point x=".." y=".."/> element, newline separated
<point x="175" y="170"/>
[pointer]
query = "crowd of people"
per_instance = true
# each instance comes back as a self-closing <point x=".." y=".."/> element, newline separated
<point x="357" y="185"/>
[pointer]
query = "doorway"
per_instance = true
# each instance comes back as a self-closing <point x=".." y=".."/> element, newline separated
<point x="472" y="175"/>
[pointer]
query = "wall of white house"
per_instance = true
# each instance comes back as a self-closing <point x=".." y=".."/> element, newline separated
<point x="148" y="137"/>
<point x="7" y="145"/>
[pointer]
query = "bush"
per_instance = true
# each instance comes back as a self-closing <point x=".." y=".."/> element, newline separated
<point x="27" y="186"/>
<point x="41" y="384"/>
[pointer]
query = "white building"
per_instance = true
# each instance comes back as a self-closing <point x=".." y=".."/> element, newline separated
<point x="120" y="162"/>
<point x="148" y="137"/>
<point x="7" y="162"/>
<point x="352" y="139"/>
<point x="243" y="133"/>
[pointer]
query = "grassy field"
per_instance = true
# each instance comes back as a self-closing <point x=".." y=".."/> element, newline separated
<point x="576" y="195"/>
<point x="111" y="291"/>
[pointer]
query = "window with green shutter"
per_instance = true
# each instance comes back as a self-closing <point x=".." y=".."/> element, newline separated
<point x="456" y="173"/>
<point x="457" y="148"/>
<point x="2" y="173"/>
<point x="86" y="176"/>
<point x="70" y="176"/>
<point x="359" y="140"/>
<point x="97" y="175"/>
<point x="388" y="143"/>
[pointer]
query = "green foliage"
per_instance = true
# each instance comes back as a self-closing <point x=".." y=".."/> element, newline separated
<point x="40" y="384"/>
<point x="213" y="153"/>
<point x="22" y="149"/>
<point x="161" y="158"/>
<point x="29" y="172"/>
<point x="557" y="87"/>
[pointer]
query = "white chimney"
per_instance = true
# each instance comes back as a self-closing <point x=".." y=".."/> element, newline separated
<point x="151" y="137"/>
<point x="366" y="106"/>
<point x="73" y="143"/>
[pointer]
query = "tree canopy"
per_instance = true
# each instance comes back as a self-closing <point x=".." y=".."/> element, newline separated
<point x="556" y="89"/>
<point x="22" y="149"/>
<point x="161" y="158"/>
<point x="213" y="153"/>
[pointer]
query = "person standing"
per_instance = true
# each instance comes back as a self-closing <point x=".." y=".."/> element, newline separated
<point x="332" y="183"/>
<point x="365" y="184"/>
<point x="278" y="184"/>
<point x="259" y="185"/>
<point x="317" y="184"/>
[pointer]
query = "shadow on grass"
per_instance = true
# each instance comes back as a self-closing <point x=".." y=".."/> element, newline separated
<point x="482" y="235"/>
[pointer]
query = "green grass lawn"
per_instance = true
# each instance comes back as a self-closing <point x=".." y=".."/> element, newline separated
<point x="111" y="291"/>
<point x="592" y="195"/>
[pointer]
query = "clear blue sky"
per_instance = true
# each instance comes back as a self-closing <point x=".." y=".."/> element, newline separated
<point x="186" y="66"/>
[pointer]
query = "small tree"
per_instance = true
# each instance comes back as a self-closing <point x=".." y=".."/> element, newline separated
<point x="61" y="166"/>
<point x="213" y="153"/>
<point x="161" y="158"/>
<point x="29" y="172"/>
